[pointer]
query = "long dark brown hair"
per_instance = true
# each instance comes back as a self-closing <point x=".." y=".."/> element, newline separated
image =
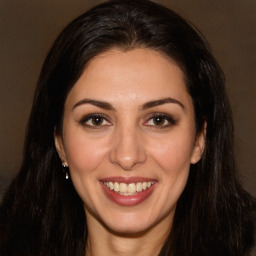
<point x="42" y="214"/>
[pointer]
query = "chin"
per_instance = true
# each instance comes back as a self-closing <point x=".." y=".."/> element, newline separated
<point x="128" y="229"/>
<point x="132" y="224"/>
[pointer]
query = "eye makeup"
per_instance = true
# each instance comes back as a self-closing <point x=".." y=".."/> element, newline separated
<point x="95" y="120"/>
<point x="160" y="120"/>
<point x="155" y="120"/>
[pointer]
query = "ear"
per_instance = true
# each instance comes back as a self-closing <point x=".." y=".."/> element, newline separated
<point x="199" y="145"/>
<point x="59" y="147"/>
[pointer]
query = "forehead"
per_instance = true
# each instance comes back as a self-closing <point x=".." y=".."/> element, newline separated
<point x="141" y="74"/>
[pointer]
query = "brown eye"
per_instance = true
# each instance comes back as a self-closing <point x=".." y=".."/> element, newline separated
<point x="158" y="120"/>
<point x="95" y="121"/>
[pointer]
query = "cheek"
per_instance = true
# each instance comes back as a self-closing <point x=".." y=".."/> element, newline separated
<point x="173" y="155"/>
<point x="84" y="154"/>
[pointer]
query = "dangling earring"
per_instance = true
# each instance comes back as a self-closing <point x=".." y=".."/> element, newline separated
<point x="65" y="169"/>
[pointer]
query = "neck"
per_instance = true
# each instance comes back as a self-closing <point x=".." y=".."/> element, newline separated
<point x="102" y="241"/>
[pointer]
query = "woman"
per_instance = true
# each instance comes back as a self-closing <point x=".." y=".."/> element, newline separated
<point x="129" y="147"/>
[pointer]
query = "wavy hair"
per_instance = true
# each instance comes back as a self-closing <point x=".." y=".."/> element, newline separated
<point x="41" y="213"/>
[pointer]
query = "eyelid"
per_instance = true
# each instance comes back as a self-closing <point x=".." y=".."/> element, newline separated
<point x="86" y="118"/>
<point x="168" y="117"/>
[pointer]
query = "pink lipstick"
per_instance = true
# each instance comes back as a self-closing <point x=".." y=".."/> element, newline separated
<point x="128" y="191"/>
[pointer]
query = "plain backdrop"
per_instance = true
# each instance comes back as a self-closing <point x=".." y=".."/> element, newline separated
<point x="28" y="28"/>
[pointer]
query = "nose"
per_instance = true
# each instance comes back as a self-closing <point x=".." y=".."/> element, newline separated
<point x="127" y="150"/>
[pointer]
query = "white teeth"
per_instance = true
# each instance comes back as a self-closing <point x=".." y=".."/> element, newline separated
<point x="123" y="188"/>
<point x="110" y="185"/>
<point x="131" y="188"/>
<point x="128" y="189"/>
<point x="139" y="187"/>
<point x="116" y="187"/>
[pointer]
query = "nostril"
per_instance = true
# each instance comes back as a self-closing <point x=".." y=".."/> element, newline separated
<point x="127" y="160"/>
<point x="127" y="150"/>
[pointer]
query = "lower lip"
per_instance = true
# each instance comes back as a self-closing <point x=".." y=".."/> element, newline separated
<point x="128" y="200"/>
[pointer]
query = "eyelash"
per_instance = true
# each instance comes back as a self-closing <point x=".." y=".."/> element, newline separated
<point x="90" y="117"/>
<point x="165" y="118"/>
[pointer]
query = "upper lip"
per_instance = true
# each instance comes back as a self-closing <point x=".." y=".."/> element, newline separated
<point x="126" y="180"/>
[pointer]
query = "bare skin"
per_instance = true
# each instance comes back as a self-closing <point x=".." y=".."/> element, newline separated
<point x="143" y="244"/>
<point x="129" y="119"/>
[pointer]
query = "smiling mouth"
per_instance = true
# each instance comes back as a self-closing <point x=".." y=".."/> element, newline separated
<point x="128" y="189"/>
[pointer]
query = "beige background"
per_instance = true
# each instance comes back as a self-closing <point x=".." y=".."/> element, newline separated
<point x="28" y="28"/>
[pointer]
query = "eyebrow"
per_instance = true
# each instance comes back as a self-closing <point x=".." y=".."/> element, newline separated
<point x="159" y="102"/>
<point x="147" y="105"/>
<point x="97" y="103"/>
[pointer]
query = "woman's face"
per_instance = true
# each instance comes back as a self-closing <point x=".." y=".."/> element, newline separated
<point x="129" y="138"/>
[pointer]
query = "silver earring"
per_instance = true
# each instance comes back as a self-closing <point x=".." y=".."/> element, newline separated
<point x="65" y="169"/>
